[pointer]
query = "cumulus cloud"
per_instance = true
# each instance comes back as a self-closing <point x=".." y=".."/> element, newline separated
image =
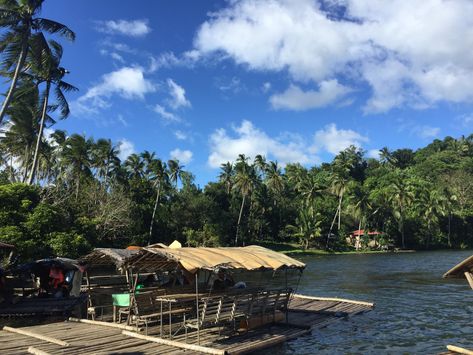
<point x="184" y="156"/>
<point x="182" y="136"/>
<point x="334" y="140"/>
<point x="126" y="148"/>
<point x="294" y="98"/>
<point x="166" y="115"/>
<point x="410" y="53"/>
<point x="133" y="28"/>
<point x="249" y="140"/>
<point x="127" y="82"/>
<point x="178" y="95"/>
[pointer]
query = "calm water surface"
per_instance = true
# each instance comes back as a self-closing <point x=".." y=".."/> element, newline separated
<point x="417" y="312"/>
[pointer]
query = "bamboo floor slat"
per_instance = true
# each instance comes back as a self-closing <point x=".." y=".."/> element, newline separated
<point x="304" y="315"/>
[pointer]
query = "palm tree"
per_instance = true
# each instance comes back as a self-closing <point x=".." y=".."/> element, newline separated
<point x="19" y="17"/>
<point x="260" y="164"/>
<point x="226" y="175"/>
<point x="175" y="170"/>
<point x="46" y="70"/>
<point x="134" y="165"/>
<point x="105" y="158"/>
<point x="310" y="189"/>
<point x="22" y="129"/>
<point x="401" y="196"/>
<point x="274" y="179"/>
<point x="148" y="158"/>
<point x="160" y="176"/>
<point x="308" y="227"/>
<point x="76" y="155"/>
<point x="244" y="183"/>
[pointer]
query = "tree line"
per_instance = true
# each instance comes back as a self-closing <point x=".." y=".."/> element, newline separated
<point x="66" y="193"/>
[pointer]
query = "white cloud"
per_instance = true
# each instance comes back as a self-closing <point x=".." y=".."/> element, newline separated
<point x="134" y="28"/>
<point x="410" y="53"/>
<point x="249" y="140"/>
<point x="126" y="148"/>
<point x="168" y="116"/>
<point x="373" y="153"/>
<point x="184" y="156"/>
<point x="127" y="82"/>
<point x="334" y="140"/>
<point x="294" y="98"/>
<point x="178" y="95"/>
<point x="182" y="136"/>
<point x="426" y="132"/>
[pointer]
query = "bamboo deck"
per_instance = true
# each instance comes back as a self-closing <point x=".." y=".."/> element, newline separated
<point x="306" y="313"/>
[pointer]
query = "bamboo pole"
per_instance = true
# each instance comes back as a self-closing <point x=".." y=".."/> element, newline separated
<point x="102" y="324"/>
<point x="457" y="349"/>
<point x="369" y="304"/>
<point x="35" y="335"/>
<point x="177" y="344"/>
<point x="469" y="277"/>
<point x="36" y="351"/>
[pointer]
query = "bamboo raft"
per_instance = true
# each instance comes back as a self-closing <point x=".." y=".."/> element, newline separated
<point x="86" y="337"/>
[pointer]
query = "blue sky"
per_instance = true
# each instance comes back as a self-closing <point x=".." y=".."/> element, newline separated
<point x="203" y="81"/>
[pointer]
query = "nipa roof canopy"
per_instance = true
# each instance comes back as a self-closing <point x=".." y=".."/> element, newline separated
<point x="460" y="269"/>
<point x="108" y="256"/>
<point x="193" y="259"/>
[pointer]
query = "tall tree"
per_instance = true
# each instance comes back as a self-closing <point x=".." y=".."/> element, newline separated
<point x="160" y="176"/>
<point x="226" y="175"/>
<point x="46" y="70"/>
<point x="19" y="18"/>
<point x="244" y="183"/>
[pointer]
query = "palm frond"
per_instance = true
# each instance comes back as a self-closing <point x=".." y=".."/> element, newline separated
<point x="54" y="27"/>
<point x="66" y="86"/>
<point x="62" y="102"/>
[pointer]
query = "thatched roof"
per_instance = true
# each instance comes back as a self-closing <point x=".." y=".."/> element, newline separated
<point x="460" y="269"/>
<point x="193" y="259"/>
<point x="108" y="256"/>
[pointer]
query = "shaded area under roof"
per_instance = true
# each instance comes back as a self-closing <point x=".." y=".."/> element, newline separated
<point x="193" y="259"/>
<point x="108" y="256"/>
<point x="460" y="269"/>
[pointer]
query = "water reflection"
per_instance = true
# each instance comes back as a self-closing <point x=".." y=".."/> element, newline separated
<point x="417" y="312"/>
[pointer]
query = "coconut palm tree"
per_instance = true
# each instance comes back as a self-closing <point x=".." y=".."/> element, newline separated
<point x="160" y="176"/>
<point x="76" y="156"/>
<point x="226" y="175"/>
<point x="105" y="159"/>
<point x="19" y="18"/>
<point x="135" y="166"/>
<point x="175" y="170"/>
<point x="401" y="196"/>
<point x="46" y="69"/>
<point x="245" y="181"/>
<point x="21" y="131"/>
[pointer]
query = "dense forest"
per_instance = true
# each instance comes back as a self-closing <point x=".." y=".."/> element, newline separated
<point x="63" y="194"/>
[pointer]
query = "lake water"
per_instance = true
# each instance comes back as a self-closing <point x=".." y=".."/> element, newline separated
<point x="417" y="312"/>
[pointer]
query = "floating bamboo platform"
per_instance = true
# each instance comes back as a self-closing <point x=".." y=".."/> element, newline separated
<point x="87" y="337"/>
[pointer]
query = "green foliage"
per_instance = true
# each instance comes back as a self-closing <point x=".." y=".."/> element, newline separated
<point x="68" y="244"/>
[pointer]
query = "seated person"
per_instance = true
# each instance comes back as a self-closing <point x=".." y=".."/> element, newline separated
<point x="223" y="281"/>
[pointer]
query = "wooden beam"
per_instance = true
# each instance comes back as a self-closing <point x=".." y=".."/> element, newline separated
<point x="457" y="349"/>
<point x="35" y="335"/>
<point x="177" y="344"/>
<point x="369" y="304"/>
<point x="36" y="351"/>
<point x="469" y="277"/>
<point x="102" y="324"/>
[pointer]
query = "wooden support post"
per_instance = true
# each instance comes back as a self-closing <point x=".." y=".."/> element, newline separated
<point x="35" y="335"/>
<point x="469" y="277"/>
<point x="176" y="344"/>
